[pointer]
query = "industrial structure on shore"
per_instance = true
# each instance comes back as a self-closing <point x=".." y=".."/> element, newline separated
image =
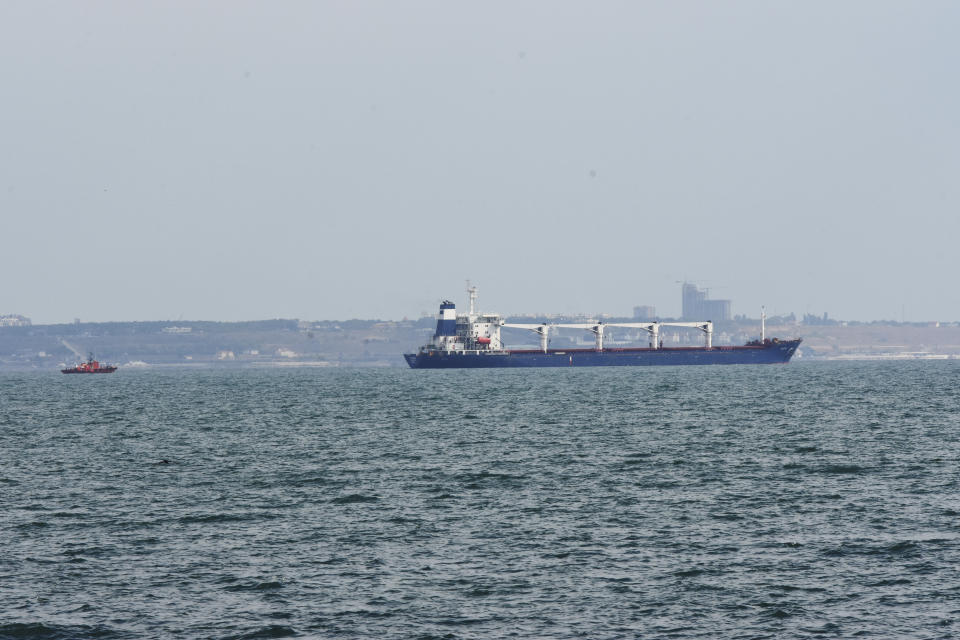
<point x="697" y="304"/>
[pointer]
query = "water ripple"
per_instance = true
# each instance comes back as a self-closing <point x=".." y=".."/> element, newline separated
<point x="755" y="502"/>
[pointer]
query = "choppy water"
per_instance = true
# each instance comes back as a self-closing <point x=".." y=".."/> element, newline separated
<point x="747" y="502"/>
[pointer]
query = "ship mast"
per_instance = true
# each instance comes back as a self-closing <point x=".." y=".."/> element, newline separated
<point x="763" y="324"/>
<point x="473" y="298"/>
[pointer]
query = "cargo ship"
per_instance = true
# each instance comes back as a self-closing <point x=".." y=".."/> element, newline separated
<point x="473" y="340"/>
<point x="91" y="366"/>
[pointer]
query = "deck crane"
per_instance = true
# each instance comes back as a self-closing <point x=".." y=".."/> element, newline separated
<point x="653" y="328"/>
<point x="598" y="328"/>
<point x="706" y="327"/>
<point x="543" y="330"/>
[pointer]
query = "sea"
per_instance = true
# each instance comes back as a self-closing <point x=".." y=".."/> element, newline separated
<point x="815" y="499"/>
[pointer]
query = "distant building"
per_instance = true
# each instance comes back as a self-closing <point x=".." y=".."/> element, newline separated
<point x="177" y="329"/>
<point x="644" y="312"/>
<point x="697" y="306"/>
<point x="14" y="320"/>
<point x="811" y="319"/>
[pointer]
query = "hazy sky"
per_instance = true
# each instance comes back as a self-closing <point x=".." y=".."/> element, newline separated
<point x="246" y="160"/>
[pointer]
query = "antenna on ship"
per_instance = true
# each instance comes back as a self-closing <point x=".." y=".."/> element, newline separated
<point x="473" y="297"/>
<point x="763" y="324"/>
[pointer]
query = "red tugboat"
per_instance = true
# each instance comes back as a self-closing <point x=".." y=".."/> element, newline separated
<point x="91" y="366"/>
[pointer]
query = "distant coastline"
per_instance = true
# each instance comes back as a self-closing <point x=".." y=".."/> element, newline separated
<point x="379" y="343"/>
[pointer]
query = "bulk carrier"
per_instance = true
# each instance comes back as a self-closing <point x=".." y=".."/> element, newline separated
<point x="473" y="341"/>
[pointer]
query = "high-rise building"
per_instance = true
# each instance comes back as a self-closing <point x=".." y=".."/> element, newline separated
<point x="644" y="312"/>
<point x="697" y="306"/>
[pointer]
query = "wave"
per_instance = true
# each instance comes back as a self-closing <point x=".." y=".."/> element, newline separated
<point x="270" y="631"/>
<point x="900" y="549"/>
<point x="354" y="498"/>
<point x="272" y="585"/>
<point x="487" y="480"/>
<point x="40" y="631"/>
<point x="839" y="469"/>
<point x="206" y="518"/>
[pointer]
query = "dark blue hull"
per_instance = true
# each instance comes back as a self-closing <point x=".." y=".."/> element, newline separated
<point x="771" y="353"/>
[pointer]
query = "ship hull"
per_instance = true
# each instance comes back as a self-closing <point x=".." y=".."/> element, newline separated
<point x="772" y="353"/>
<point x="103" y="370"/>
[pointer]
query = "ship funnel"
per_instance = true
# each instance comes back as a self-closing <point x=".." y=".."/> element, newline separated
<point x="447" y="320"/>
